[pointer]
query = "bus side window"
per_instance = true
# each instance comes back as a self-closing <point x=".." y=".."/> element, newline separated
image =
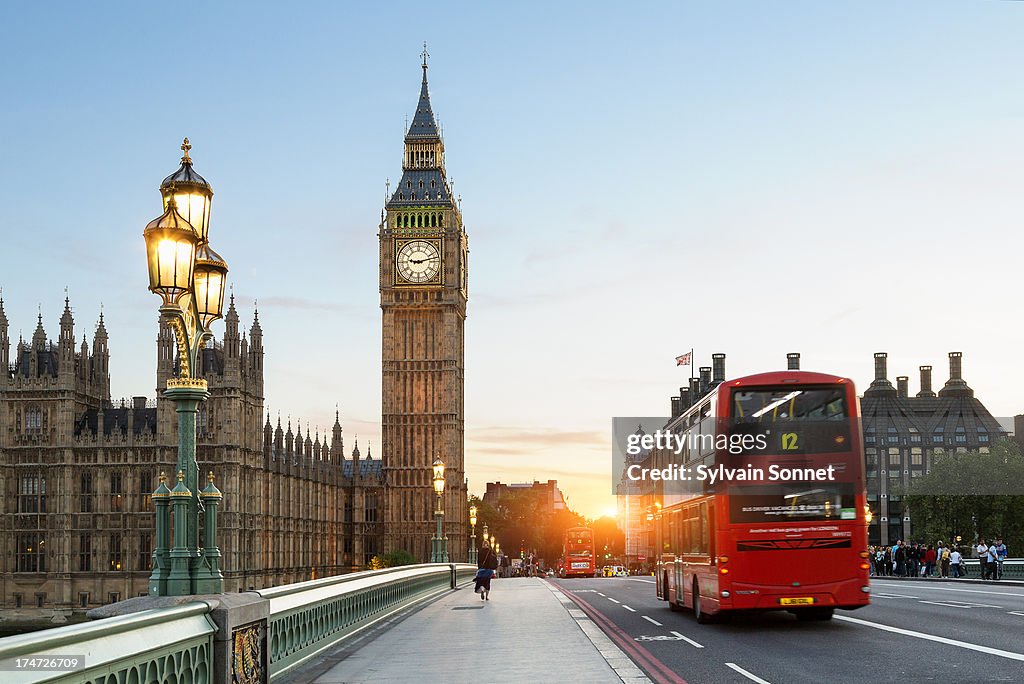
<point x="710" y="529"/>
<point x="704" y="536"/>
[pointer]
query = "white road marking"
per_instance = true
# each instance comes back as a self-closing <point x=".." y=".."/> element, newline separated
<point x="959" y="604"/>
<point x="612" y="600"/>
<point x="931" y="637"/>
<point x="652" y="620"/>
<point x="1015" y="612"/>
<point x="687" y="640"/>
<point x="893" y="596"/>
<point x="751" y="677"/>
<point x="637" y="579"/>
<point x="599" y="593"/>
<point x="631" y="610"/>
<point x="968" y="591"/>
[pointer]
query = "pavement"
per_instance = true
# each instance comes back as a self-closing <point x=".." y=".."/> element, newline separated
<point x="528" y="631"/>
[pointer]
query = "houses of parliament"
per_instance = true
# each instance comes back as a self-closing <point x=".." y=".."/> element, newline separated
<point x="78" y="469"/>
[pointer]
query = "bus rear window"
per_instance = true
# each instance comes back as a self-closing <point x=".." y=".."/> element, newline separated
<point x="778" y="404"/>
<point x="792" y="502"/>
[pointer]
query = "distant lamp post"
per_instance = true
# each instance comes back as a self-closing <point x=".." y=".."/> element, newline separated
<point x="189" y="277"/>
<point x="439" y="551"/>
<point x="472" y="536"/>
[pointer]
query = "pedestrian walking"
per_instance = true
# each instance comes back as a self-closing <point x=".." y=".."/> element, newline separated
<point x="487" y="563"/>
<point x="955" y="560"/>
<point x="982" y="550"/>
<point x="1000" y="556"/>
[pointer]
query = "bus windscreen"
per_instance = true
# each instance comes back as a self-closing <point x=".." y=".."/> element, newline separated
<point x="776" y="404"/>
<point x="792" y="420"/>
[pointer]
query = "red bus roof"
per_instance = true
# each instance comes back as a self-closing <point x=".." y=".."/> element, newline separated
<point x="785" y="377"/>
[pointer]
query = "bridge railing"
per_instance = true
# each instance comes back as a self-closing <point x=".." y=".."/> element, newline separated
<point x="162" y="645"/>
<point x="1013" y="568"/>
<point x="308" y="617"/>
<point x="248" y="637"/>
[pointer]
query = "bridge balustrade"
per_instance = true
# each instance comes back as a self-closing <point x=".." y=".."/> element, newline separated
<point x="245" y="638"/>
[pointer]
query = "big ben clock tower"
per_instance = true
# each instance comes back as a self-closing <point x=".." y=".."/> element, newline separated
<point x="423" y="292"/>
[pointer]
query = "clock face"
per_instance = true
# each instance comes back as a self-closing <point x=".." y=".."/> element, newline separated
<point x="419" y="261"/>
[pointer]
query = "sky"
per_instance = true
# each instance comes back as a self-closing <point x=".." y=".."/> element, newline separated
<point x="748" y="177"/>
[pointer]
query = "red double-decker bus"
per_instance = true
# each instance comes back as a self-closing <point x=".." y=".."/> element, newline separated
<point x="783" y="525"/>
<point x="578" y="553"/>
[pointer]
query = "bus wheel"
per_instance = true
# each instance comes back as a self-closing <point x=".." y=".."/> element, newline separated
<point x="702" y="617"/>
<point x="814" y="614"/>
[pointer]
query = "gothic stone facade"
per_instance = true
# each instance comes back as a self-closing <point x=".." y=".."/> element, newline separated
<point x="423" y="293"/>
<point x="77" y="471"/>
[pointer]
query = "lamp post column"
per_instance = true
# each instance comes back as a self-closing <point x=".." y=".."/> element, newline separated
<point x="161" y="558"/>
<point x="209" y="579"/>
<point x="472" y="536"/>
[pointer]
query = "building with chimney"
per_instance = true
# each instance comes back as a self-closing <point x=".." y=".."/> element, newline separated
<point x="77" y="471"/>
<point x="903" y="435"/>
<point x="545" y="495"/>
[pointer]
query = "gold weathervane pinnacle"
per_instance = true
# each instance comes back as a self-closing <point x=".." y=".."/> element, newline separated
<point x="185" y="147"/>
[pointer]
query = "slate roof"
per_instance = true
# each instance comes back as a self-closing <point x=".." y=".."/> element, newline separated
<point x="423" y="126"/>
<point x="115" y="420"/>
<point x="47" y="363"/>
<point x="434" y="190"/>
<point x="367" y="467"/>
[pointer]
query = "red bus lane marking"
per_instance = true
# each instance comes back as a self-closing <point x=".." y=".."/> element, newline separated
<point x="639" y="654"/>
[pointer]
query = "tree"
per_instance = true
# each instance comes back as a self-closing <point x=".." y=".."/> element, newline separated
<point x="973" y="495"/>
<point x="392" y="559"/>
<point x="609" y="540"/>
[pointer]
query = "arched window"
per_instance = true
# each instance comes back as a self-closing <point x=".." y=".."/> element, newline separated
<point x="440" y="221"/>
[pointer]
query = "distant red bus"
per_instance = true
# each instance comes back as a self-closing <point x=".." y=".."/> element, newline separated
<point x="578" y="553"/>
<point x="758" y="543"/>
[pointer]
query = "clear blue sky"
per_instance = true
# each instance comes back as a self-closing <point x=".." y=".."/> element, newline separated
<point x="835" y="178"/>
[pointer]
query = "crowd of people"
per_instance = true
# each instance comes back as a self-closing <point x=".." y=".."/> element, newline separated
<point x="935" y="560"/>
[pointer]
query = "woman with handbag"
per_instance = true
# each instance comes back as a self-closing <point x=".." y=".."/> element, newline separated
<point x="487" y="563"/>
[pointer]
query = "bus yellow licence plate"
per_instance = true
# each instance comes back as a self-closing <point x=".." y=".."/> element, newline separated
<point x="802" y="601"/>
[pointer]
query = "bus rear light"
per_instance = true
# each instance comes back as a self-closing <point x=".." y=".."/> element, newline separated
<point x="723" y="559"/>
<point x="866" y="590"/>
<point x="865" y="566"/>
<point x="864" y="554"/>
<point x="723" y="571"/>
<point x="725" y="594"/>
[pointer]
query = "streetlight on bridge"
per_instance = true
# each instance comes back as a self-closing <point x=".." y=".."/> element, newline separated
<point x="189" y="277"/>
<point x="439" y="552"/>
<point x="472" y="536"/>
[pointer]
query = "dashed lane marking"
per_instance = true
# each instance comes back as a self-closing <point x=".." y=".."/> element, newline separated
<point x="652" y="621"/>
<point x="967" y="591"/>
<point x="752" y="677"/>
<point x="613" y="600"/>
<point x="959" y="604"/>
<point x="631" y="610"/>
<point x="931" y="637"/>
<point x="688" y="640"/>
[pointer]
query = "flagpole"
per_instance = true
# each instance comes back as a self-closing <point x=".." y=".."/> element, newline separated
<point x="693" y="361"/>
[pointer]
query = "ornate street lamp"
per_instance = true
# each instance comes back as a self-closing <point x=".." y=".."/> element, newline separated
<point x="440" y="542"/>
<point x="189" y="277"/>
<point x="472" y="536"/>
